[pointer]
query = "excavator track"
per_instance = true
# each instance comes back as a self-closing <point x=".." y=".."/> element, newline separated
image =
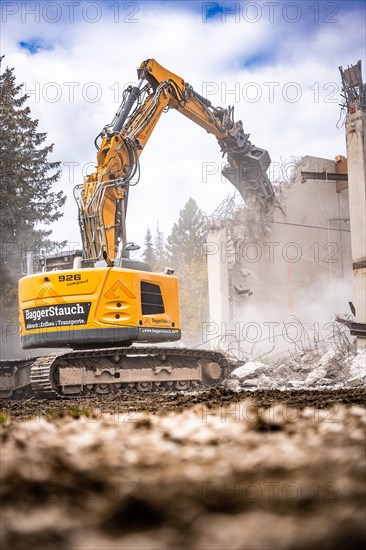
<point x="111" y="370"/>
<point x="41" y="377"/>
<point x="15" y="378"/>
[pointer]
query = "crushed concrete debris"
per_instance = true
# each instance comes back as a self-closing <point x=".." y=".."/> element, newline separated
<point x="311" y="369"/>
<point x="233" y="385"/>
<point x="315" y="376"/>
<point x="357" y="368"/>
<point x="248" y="369"/>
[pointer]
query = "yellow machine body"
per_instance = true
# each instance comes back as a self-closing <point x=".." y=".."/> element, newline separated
<point x="96" y="307"/>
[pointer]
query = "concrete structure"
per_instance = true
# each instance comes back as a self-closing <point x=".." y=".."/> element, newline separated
<point x="297" y="264"/>
<point x="354" y="94"/>
<point x="218" y="277"/>
<point x="356" y="152"/>
<point x="284" y="286"/>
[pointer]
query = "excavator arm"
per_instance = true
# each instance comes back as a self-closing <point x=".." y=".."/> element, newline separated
<point x="102" y="199"/>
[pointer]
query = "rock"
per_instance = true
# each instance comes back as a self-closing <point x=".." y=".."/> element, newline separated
<point x="252" y="383"/>
<point x="248" y="369"/>
<point x="265" y="382"/>
<point x="282" y="371"/>
<point x="304" y="368"/>
<point x="357" y="371"/>
<point x="309" y="359"/>
<point x="233" y="385"/>
<point x="355" y="381"/>
<point x="315" y="376"/>
<point x="327" y="357"/>
<point x="294" y="384"/>
<point x="328" y="381"/>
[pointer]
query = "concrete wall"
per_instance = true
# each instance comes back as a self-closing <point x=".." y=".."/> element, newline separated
<point x="302" y="268"/>
<point x="356" y="152"/>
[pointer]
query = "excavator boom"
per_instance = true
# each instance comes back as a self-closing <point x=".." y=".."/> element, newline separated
<point x="102" y="199"/>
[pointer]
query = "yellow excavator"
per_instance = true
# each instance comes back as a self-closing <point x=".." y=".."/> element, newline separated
<point x="98" y="302"/>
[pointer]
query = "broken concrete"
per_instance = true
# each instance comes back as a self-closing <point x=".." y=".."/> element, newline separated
<point x="248" y="370"/>
<point x="357" y="368"/>
<point x="312" y="369"/>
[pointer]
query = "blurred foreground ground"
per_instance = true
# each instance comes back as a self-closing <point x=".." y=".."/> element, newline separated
<point x="216" y="470"/>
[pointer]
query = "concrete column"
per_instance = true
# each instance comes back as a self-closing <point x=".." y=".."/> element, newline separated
<point x="218" y="285"/>
<point x="356" y="156"/>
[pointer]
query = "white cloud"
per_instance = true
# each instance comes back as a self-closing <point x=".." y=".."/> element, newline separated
<point x="171" y="166"/>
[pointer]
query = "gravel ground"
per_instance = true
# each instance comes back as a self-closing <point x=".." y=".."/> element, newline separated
<point x="176" y="401"/>
<point x="216" y="470"/>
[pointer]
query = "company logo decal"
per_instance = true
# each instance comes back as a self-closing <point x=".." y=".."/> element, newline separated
<point x="114" y="293"/>
<point x="56" y="315"/>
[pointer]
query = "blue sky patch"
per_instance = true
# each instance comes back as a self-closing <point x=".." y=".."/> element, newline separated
<point x="258" y="60"/>
<point x="34" y="45"/>
<point x="213" y="8"/>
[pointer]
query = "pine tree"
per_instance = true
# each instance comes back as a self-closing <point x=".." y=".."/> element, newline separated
<point x="27" y="177"/>
<point x="160" y="250"/>
<point x="149" y="254"/>
<point x="193" y="297"/>
<point x="186" y="239"/>
<point x="185" y="256"/>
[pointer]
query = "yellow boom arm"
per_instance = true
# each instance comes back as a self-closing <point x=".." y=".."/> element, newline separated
<point x="102" y="199"/>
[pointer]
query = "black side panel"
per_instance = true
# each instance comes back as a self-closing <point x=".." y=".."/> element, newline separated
<point x="102" y="336"/>
<point x="70" y="338"/>
<point x="151" y="299"/>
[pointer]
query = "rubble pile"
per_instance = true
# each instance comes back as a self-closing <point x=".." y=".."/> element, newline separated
<point x="308" y="369"/>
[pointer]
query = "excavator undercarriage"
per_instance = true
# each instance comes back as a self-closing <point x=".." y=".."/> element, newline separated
<point x="111" y="370"/>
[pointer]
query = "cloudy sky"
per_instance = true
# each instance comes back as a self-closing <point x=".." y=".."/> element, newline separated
<point x="275" y="61"/>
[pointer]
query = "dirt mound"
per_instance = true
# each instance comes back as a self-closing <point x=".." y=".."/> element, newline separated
<point x="225" y="472"/>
